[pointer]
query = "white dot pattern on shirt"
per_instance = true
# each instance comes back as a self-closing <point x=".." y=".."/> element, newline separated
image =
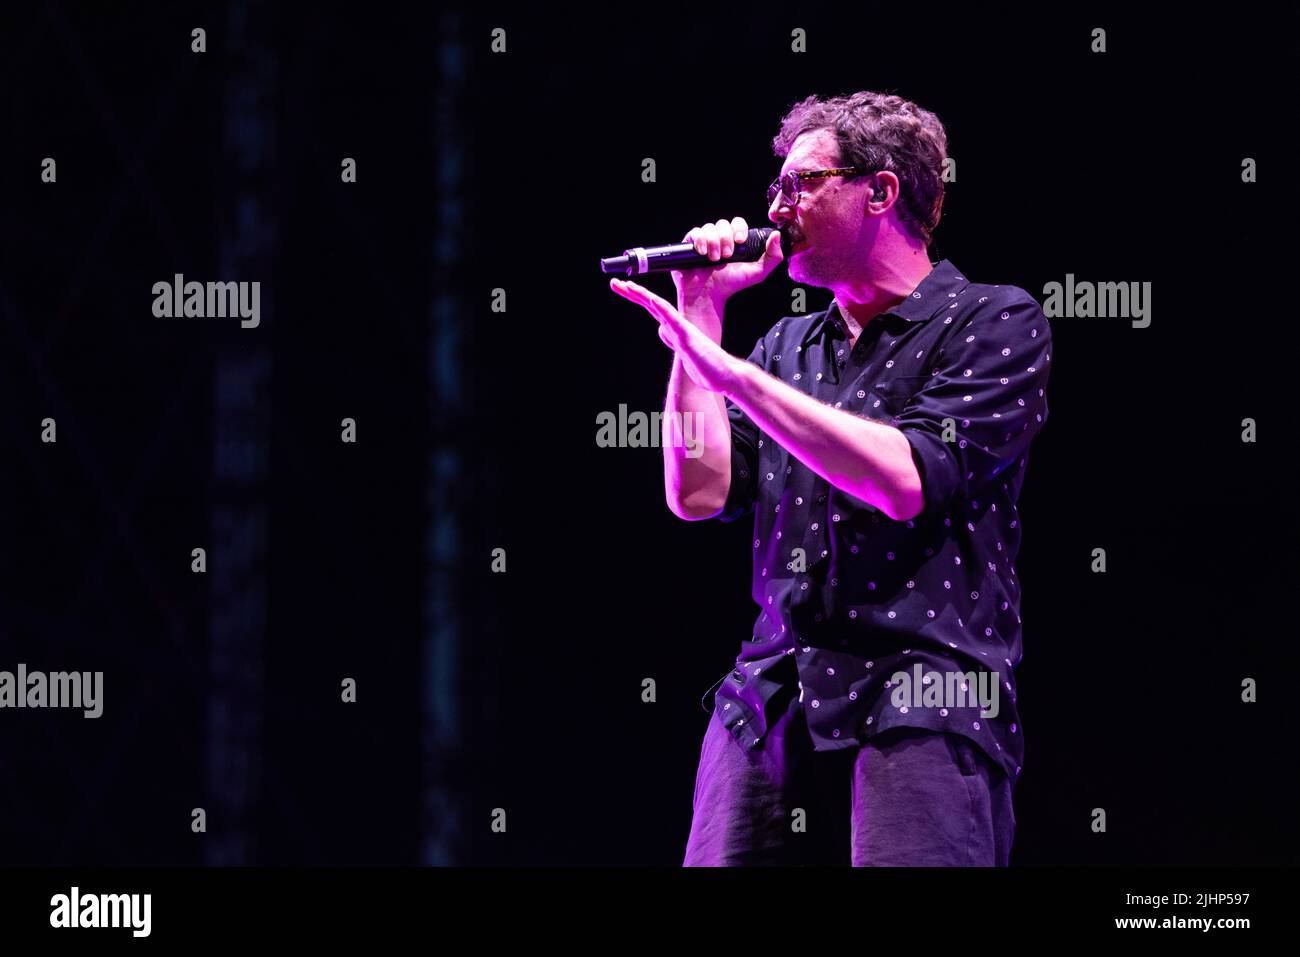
<point x="981" y="526"/>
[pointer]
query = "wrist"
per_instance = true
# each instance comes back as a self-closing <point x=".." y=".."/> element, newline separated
<point x="740" y="377"/>
<point x="705" y="309"/>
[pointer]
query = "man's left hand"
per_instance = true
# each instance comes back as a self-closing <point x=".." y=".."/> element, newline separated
<point x="707" y="363"/>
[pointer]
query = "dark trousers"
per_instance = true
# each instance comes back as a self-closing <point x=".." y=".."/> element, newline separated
<point x="909" y="797"/>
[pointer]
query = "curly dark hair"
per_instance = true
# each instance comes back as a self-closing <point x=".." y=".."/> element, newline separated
<point x="881" y="131"/>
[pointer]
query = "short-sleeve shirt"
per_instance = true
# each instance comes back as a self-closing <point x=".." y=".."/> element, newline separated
<point x="880" y="622"/>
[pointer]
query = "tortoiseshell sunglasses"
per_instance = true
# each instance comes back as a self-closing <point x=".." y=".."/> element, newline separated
<point x="788" y="185"/>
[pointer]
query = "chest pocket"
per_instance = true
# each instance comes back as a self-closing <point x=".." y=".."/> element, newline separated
<point x="893" y="394"/>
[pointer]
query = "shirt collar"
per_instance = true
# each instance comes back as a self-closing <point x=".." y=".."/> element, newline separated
<point x="933" y="293"/>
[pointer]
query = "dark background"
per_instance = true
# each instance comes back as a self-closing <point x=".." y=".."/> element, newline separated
<point x="476" y="429"/>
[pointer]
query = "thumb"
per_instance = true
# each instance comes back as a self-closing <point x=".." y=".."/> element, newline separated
<point x="773" y="250"/>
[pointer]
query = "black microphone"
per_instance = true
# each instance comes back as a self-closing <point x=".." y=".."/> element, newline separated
<point x="643" y="259"/>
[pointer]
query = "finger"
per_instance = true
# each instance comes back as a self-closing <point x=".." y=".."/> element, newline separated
<point x="630" y="291"/>
<point x="656" y="305"/>
<point x="634" y="292"/>
<point x="685" y="333"/>
<point x="713" y="245"/>
<point x="726" y="238"/>
<point x="740" y="229"/>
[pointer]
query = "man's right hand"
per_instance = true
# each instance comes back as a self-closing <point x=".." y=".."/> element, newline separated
<point x="718" y="283"/>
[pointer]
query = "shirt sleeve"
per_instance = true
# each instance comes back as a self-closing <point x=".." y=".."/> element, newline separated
<point x="984" y="406"/>
<point x="743" y="491"/>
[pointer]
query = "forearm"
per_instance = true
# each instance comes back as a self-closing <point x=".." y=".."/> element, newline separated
<point x="696" y="437"/>
<point x="867" y="459"/>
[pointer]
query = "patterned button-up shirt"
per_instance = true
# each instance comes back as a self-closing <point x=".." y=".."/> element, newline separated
<point x="849" y="598"/>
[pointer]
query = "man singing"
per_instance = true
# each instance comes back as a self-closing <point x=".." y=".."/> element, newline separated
<point x="881" y="444"/>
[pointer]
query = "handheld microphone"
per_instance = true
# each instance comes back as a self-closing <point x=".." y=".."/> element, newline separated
<point x="643" y="259"/>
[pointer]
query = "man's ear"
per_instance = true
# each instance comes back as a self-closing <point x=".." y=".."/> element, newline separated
<point x="879" y="190"/>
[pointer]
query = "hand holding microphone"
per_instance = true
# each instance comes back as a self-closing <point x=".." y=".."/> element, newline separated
<point x="704" y="280"/>
<point x="697" y="262"/>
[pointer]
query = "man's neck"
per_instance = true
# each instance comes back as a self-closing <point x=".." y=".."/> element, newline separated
<point x="851" y="326"/>
<point x="890" y="284"/>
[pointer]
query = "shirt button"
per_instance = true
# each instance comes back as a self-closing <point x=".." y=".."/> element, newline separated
<point x="821" y="499"/>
